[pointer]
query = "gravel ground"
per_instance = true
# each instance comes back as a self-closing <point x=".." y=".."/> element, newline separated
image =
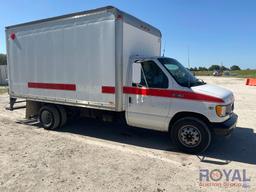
<point x="88" y="155"/>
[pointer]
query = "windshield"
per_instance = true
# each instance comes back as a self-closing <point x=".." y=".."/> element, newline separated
<point x="182" y="76"/>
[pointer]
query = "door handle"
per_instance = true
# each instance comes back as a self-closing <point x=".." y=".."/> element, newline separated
<point x="130" y="100"/>
<point x="178" y="95"/>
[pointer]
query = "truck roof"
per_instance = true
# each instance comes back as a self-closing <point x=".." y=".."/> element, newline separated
<point x="125" y="16"/>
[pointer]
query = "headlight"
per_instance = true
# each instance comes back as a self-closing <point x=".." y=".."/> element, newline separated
<point x="221" y="110"/>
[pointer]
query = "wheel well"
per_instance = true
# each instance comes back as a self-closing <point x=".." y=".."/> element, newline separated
<point x="180" y="115"/>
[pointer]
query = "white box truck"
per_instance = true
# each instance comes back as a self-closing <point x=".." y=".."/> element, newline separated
<point x="105" y="62"/>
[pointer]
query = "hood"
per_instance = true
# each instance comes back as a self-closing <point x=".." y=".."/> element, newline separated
<point x="216" y="91"/>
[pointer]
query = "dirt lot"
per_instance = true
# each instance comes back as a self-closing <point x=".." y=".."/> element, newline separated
<point x="89" y="155"/>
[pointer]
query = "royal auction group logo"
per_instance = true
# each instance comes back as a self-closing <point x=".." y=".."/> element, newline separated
<point x="224" y="178"/>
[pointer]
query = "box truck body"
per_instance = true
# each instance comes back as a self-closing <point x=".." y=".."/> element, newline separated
<point x="72" y="58"/>
<point x="106" y="62"/>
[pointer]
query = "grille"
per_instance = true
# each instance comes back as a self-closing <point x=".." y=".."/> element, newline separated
<point x="230" y="108"/>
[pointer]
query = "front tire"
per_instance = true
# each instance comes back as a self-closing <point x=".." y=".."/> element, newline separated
<point x="191" y="135"/>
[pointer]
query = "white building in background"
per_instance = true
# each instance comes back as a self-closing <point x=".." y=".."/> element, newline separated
<point x="3" y="75"/>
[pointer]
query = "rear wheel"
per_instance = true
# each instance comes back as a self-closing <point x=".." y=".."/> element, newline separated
<point x="49" y="117"/>
<point x="191" y="135"/>
<point x="63" y="115"/>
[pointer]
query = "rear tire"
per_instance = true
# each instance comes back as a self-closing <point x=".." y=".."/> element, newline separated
<point x="191" y="135"/>
<point x="63" y="115"/>
<point x="49" y="117"/>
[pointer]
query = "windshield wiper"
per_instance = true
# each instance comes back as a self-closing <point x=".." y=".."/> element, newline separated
<point x="196" y="83"/>
<point x="201" y="81"/>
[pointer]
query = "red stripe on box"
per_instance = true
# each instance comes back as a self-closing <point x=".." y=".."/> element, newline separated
<point x="56" y="86"/>
<point x="107" y="89"/>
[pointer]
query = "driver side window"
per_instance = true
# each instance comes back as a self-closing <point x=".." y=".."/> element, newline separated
<point x="152" y="76"/>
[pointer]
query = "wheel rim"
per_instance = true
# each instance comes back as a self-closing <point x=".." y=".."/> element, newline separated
<point x="189" y="136"/>
<point x="46" y="118"/>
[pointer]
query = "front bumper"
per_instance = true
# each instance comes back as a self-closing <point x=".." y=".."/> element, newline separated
<point x="225" y="128"/>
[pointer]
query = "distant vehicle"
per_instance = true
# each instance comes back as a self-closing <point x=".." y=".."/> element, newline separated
<point x="217" y="73"/>
<point x="105" y="63"/>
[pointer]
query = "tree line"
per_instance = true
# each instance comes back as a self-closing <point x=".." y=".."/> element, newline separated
<point x="216" y="68"/>
<point x="3" y="59"/>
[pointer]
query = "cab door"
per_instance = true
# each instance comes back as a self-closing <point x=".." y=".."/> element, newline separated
<point x="147" y="106"/>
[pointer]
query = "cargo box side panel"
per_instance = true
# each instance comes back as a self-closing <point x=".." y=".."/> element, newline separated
<point x="98" y="67"/>
<point x="68" y="63"/>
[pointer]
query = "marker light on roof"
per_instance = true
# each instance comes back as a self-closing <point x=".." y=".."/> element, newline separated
<point x="12" y="36"/>
<point x="119" y="16"/>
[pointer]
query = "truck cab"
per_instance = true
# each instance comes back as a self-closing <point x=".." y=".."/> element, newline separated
<point x="162" y="94"/>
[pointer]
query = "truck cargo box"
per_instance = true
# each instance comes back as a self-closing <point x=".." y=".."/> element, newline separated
<point x="69" y="59"/>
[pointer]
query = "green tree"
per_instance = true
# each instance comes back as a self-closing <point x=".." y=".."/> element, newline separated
<point x="3" y="60"/>
<point x="202" y="69"/>
<point x="223" y="68"/>
<point x="193" y="69"/>
<point x="214" y="67"/>
<point x="234" y="67"/>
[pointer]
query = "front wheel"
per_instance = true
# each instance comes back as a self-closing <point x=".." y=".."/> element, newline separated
<point x="191" y="135"/>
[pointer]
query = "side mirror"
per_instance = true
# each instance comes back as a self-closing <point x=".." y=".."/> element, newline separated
<point x="136" y="73"/>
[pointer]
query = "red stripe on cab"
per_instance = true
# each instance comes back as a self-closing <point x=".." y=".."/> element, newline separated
<point x="56" y="86"/>
<point x="172" y="94"/>
<point x="177" y="94"/>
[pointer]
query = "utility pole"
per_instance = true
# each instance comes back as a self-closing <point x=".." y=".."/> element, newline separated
<point x="189" y="80"/>
<point x="188" y="57"/>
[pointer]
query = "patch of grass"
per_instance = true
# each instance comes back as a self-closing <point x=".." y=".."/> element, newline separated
<point x="238" y="73"/>
<point x="243" y="73"/>
<point x="3" y="90"/>
<point x="203" y="73"/>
